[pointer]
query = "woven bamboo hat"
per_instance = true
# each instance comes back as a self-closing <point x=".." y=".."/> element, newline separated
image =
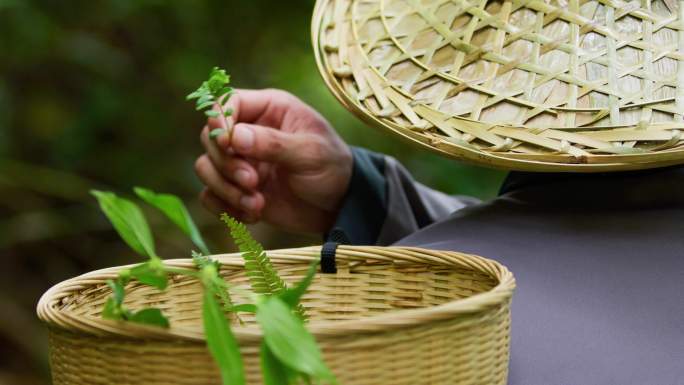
<point x="538" y="85"/>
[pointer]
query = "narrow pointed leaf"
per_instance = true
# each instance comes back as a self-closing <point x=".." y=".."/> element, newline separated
<point x="288" y="339"/>
<point x="273" y="371"/>
<point x="293" y="296"/>
<point x="128" y="221"/>
<point x="221" y="341"/>
<point x="175" y="210"/>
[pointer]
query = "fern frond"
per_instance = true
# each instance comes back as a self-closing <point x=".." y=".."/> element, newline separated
<point x="263" y="278"/>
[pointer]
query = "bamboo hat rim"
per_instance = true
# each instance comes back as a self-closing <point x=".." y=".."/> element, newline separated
<point x="568" y="156"/>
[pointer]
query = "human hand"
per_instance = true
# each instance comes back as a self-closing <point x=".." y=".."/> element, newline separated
<point x="283" y="163"/>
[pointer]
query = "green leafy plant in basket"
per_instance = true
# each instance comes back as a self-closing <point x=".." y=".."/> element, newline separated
<point x="289" y="353"/>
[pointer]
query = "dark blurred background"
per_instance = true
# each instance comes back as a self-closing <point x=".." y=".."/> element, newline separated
<point x="92" y="96"/>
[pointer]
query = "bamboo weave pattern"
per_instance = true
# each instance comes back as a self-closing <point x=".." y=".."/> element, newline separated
<point x="390" y="315"/>
<point x="574" y="85"/>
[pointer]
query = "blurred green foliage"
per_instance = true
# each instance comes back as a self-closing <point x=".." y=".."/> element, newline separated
<point x="92" y="96"/>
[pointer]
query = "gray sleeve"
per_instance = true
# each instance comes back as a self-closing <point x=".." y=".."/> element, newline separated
<point x="384" y="203"/>
<point x="412" y="205"/>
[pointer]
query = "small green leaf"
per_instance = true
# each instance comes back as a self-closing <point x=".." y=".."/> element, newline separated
<point x="245" y="308"/>
<point x="212" y="113"/>
<point x="221" y="341"/>
<point x="117" y="291"/>
<point x="175" y="210"/>
<point x="216" y="132"/>
<point x="226" y="91"/>
<point x="224" y="98"/>
<point x="201" y="91"/>
<point x="293" y="296"/>
<point x="112" y="310"/>
<point x="206" y="97"/>
<point x="128" y="221"/>
<point x="273" y="371"/>
<point x="151" y="273"/>
<point x="150" y="316"/>
<point x="217" y="80"/>
<point x="228" y="112"/>
<point x="289" y="340"/>
<point x="204" y="105"/>
<point x="193" y="95"/>
<point x="124" y="276"/>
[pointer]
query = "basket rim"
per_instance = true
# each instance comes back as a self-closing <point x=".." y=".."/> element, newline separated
<point x="503" y="161"/>
<point x="48" y="312"/>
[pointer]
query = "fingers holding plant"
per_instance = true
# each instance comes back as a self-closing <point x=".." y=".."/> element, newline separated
<point x="232" y="167"/>
<point x="291" y="166"/>
<point x="303" y="173"/>
<point x="234" y="198"/>
<point x="230" y="179"/>
<point x="265" y="107"/>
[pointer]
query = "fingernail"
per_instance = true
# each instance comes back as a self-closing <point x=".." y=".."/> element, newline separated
<point x="248" y="202"/>
<point x="242" y="177"/>
<point x="243" y="137"/>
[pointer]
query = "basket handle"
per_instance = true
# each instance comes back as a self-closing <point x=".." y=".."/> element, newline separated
<point x="335" y="237"/>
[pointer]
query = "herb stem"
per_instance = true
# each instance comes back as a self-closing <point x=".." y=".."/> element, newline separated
<point x="181" y="271"/>
<point x="225" y="121"/>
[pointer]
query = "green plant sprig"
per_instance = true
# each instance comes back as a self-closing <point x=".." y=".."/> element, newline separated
<point x="288" y="353"/>
<point x="262" y="275"/>
<point x="129" y="222"/>
<point x="215" y="92"/>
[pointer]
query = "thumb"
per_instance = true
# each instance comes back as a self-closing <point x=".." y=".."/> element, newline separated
<point x="264" y="144"/>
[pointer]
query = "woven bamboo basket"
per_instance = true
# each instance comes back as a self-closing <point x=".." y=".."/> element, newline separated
<point x="538" y="85"/>
<point x="400" y="316"/>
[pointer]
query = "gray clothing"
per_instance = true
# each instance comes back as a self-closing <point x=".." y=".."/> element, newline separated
<point x="599" y="261"/>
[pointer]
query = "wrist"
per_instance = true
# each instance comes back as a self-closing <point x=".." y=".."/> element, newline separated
<point x="345" y="165"/>
<point x="363" y="208"/>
